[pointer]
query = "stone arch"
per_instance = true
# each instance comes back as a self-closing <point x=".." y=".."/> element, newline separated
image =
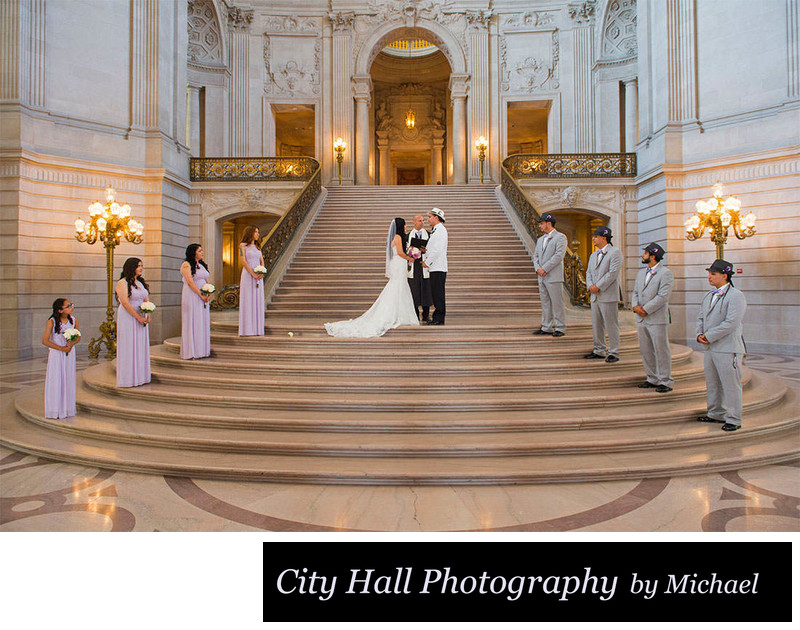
<point x="206" y="45"/>
<point x="424" y="29"/>
<point x="618" y="35"/>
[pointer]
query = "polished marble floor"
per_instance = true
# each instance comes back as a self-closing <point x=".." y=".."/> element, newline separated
<point x="43" y="495"/>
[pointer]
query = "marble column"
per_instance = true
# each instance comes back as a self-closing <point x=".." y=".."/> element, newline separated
<point x="144" y="64"/>
<point x="362" y="93"/>
<point x="459" y="85"/>
<point x="631" y="115"/>
<point x="682" y="60"/>
<point x="436" y="156"/>
<point x="385" y="178"/>
<point x="583" y="96"/>
<point x="341" y="95"/>
<point x="239" y="93"/>
<point x="479" y="108"/>
<point x="193" y="120"/>
<point x="793" y="48"/>
<point x="22" y="41"/>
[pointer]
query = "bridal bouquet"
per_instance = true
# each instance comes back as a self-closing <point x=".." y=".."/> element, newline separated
<point x="414" y="253"/>
<point x="147" y="307"/>
<point x="72" y="334"/>
<point x="261" y="271"/>
<point x="207" y="289"/>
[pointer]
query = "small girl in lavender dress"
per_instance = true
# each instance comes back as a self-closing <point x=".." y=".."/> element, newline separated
<point x="59" y="384"/>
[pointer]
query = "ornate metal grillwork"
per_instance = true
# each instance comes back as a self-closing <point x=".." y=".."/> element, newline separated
<point x="279" y="236"/>
<point x="574" y="278"/>
<point x="251" y="169"/>
<point x="571" y="165"/>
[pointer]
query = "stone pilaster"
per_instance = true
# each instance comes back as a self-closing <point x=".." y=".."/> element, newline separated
<point x="341" y="97"/>
<point x="583" y="59"/>
<point x="144" y="64"/>
<point x="385" y="177"/>
<point x="681" y="60"/>
<point x="459" y="86"/>
<point x="362" y="93"/>
<point x="793" y="48"/>
<point x="22" y="51"/>
<point x="239" y="94"/>
<point x="437" y="174"/>
<point x="479" y="101"/>
<point x="631" y="115"/>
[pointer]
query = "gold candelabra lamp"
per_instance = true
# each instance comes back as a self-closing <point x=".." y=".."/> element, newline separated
<point x="109" y="222"/>
<point x="339" y="146"/>
<point x="481" y="144"/>
<point x="719" y="216"/>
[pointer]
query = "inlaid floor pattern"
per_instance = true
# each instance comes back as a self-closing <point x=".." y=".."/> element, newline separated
<point x="479" y="401"/>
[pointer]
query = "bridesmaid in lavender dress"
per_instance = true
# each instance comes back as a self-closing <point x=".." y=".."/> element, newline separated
<point x="133" y="335"/>
<point x="195" y="314"/>
<point x="251" y="285"/>
<point x="59" y="384"/>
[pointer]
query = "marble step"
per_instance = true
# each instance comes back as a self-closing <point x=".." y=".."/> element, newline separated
<point x="736" y="451"/>
<point x="545" y="441"/>
<point x="582" y="395"/>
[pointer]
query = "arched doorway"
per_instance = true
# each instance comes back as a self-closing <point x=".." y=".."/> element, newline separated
<point x="441" y="101"/>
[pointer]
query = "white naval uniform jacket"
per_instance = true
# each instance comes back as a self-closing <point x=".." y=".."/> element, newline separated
<point x="436" y="252"/>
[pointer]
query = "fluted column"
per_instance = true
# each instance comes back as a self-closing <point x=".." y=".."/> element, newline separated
<point x="22" y="50"/>
<point x="458" y="99"/>
<point x="144" y="64"/>
<point x="479" y="101"/>
<point x="385" y="177"/>
<point x="793" y="48"/>
<point x="239" y="64"/>
<point x="631" y="115"/>
<point x="341" y="93"/>
<point x="583" y="58"/>
<point x="362" y="93"/>
<point x="193" y="120"/>
<point x="681" y="60"/>
<point x="436" y="157"/>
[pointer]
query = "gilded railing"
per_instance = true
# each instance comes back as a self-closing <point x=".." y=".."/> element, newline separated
<point x="574" y="278"/>
<point x="282" y="232"/>
<point x="252" y="169"/>
<point x="571" y="165"/>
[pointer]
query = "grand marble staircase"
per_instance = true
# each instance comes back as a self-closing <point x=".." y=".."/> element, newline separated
<point x="478" y="401"/>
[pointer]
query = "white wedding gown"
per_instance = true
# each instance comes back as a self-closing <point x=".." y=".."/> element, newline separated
<point x="394" y="307"/>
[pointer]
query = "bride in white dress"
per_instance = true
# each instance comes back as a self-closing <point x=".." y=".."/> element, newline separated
<point x="394" y="306"/>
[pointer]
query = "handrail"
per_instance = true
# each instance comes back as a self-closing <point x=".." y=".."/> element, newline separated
<point x="574" y="278"/>
<point x="268" y="169"/>
<point x="558" y="165"/>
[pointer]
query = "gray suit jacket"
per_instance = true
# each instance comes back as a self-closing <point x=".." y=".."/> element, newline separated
<point x="549" y="255"/>
<point x="722" y="323"/>
<point x="605" y="275"/>
<point x="654" y="298"/>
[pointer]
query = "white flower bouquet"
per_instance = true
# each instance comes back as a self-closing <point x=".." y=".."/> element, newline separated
<point x="72" y="334"/>
<point x="261" y="269"/>
<point x="414" y="253"/>
<point x="147" y="307"/>
<point x="207" y="289"/>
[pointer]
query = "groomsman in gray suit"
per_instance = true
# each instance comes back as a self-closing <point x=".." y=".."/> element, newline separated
<point x="719" y="330"/>
<point x="650" y="302"/>
<point x="548" y="260"/>
<point x="602" y="279"/>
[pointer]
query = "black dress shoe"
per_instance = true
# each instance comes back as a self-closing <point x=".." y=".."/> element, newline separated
<point x="646" y="385"/>
<point x="731" y="427"/>
<point x="611" y="359"/>
<point x="437" y="323"/>
<point x="661" y="389"/>
<point x="558" y="333"/>
<point x="426" y="321"/>
<point x="541" y="332"/>
<point x="707" y="419"/>
<point x="593" y="355"/>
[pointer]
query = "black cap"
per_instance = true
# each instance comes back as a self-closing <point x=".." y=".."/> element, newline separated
<point x="655" y="249"/>
<point x="721" y="266"/>
<point x="547" y="217"/>
<point x="603" y="231"/>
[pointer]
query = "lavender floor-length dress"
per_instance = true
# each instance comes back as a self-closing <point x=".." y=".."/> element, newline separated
<point x="195" y="319"/>
<point x="133" y="343"/>
<point x="251" y="297"/>
<point x="59" y="384"/>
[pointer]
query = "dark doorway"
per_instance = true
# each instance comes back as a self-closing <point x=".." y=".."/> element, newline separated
<point x="410" y="176"/>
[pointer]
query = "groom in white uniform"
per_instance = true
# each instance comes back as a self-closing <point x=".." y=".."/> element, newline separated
<point x="436" y="261"/>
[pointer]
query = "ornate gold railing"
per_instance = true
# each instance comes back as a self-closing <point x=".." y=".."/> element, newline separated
<point x="574" y="278"/>
<point x="282" y="232"/>
<point x="252" y="169"/>
<point x="571" y="165"/>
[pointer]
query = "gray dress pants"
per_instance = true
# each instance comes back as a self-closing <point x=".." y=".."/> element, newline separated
<point x="605" y="318"/>
<point x="724" y="386"/>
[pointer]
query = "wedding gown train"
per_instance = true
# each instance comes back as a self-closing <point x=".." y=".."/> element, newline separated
<point x="394" y="307"/>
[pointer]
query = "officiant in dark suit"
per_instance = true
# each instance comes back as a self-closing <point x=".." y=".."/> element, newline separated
<point x="419" y="276"/>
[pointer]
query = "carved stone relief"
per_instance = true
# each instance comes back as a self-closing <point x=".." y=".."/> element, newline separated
<point x="530" y="72"/>
<point x="239" y="18"/>
<point x="530" y="19"/>
<point x="205" y="39"/>
<point x="394" y="102"/>
<point x="582" y="13"/>
<point x="573" y="196"/>
<point x="249" y="200"/>
<point x="619" y="30"/>
<point x="292" y="65"/>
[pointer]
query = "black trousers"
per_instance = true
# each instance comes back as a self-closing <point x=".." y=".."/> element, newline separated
<point x="438" y="279"/>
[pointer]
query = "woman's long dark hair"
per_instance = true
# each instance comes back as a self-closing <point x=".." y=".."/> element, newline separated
<point x="190" y="257"/>
<point x="129" y="274"/>
<point x="400" y="227"/>
<point x="56" y="316"/>
<point x="249" y="235"/>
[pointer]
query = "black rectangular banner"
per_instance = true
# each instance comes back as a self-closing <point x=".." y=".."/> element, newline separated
<point x="524" y="581"/>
